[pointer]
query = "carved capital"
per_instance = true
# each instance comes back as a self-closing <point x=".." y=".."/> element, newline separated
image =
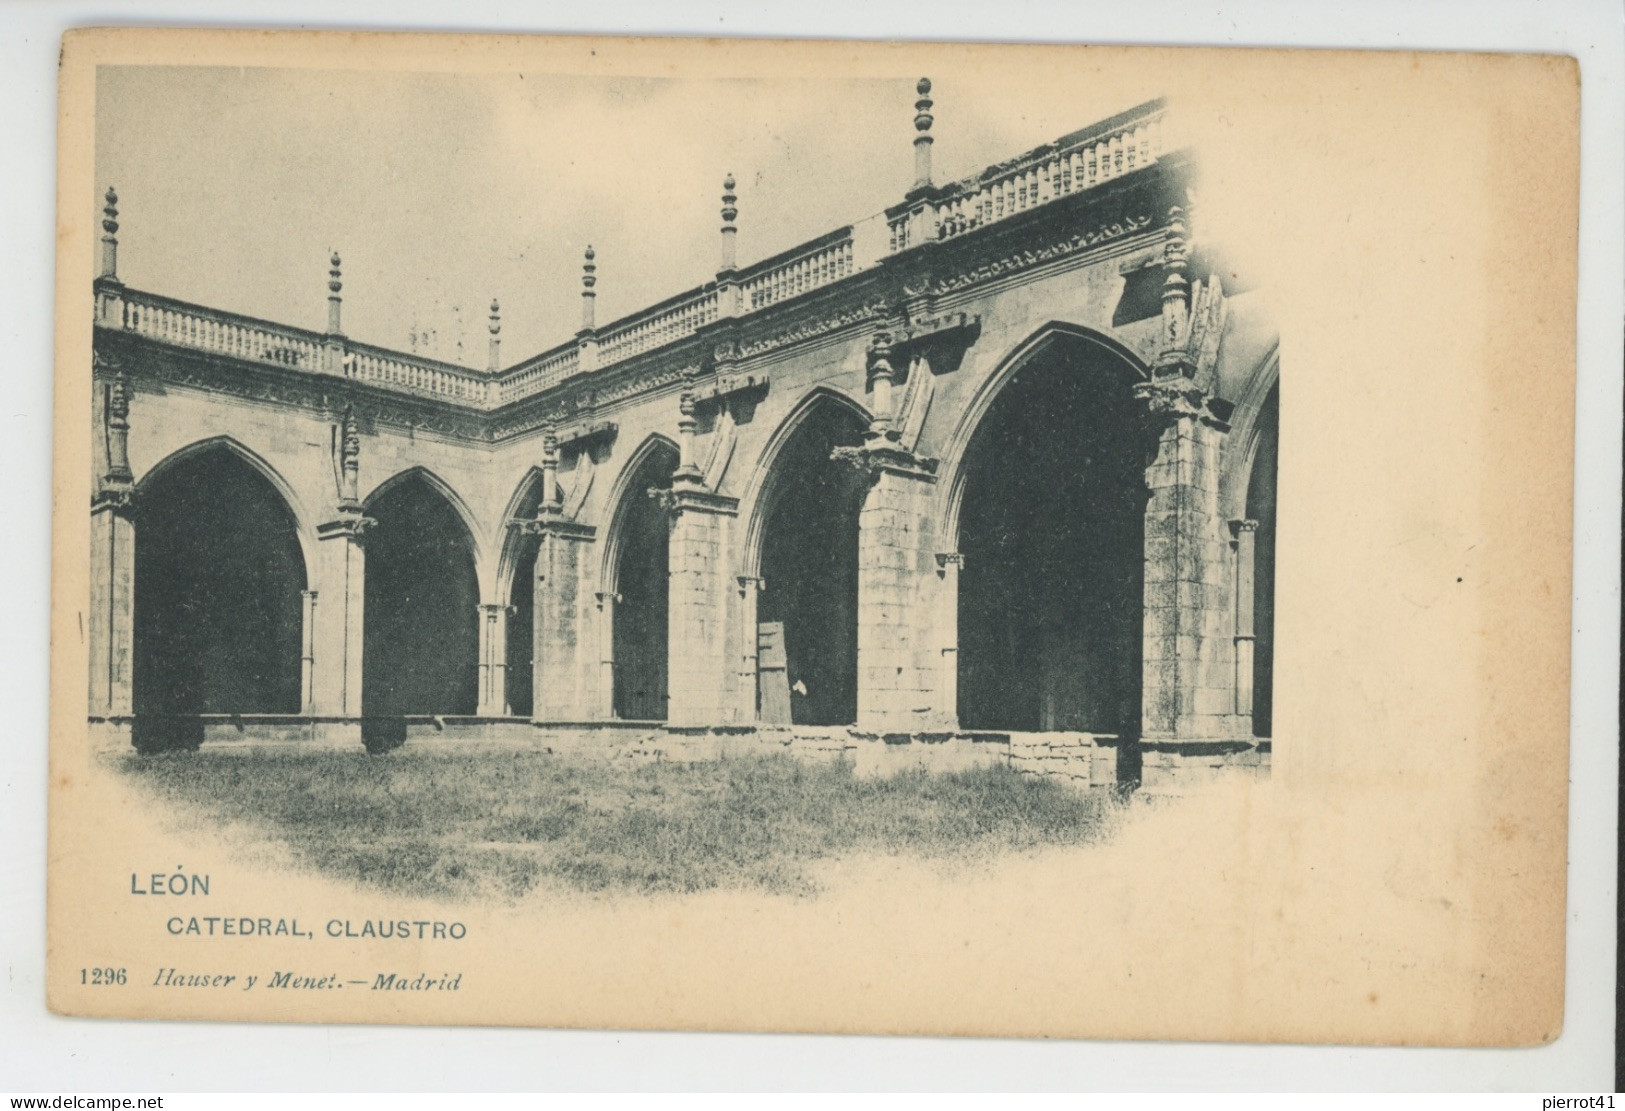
<point x="880" y="457"/>
<point x="694" y="498"/>
<point x="1171" y="398"/>
<point x="113" y="497"/>
<point x="349" y="525"/>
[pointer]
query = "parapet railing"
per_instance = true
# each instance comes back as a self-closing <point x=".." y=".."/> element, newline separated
<point x="1088" y="158"/>
<point x="412" y="372"/>
<point x="800" y="270"/>
<point x="222" y="333"/>
<point x="185" y="325"/>
<point x="541" y="372"/>
<point x="672" y="320"/>
<point x="1070" y="165"/>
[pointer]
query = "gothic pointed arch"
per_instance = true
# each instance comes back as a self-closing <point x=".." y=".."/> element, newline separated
<point x="303" y="521"/>
<point x="767" y="476"/>
<point x="1052" y="336"/>
<point x="1045" y="505"/>
<point x="629" y="487"/>
<point x="221" y="566"/>
<point x="420" y="651"/>
<point x="801" y="547"/>
<point x="459" y="505"/>
<point x="635" y="581"/>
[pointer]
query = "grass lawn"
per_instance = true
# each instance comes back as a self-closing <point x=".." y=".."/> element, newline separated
<point x="492" y="823"/>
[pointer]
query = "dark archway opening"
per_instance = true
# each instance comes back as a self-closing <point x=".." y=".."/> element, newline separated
<point x="1261" y="508"/>
<point x="1052" y="530"/>
<point x="218" y="581"/>
<point x="809" y="568"/>
<point x="421" y="645"/>
<point x="642" y="579"/>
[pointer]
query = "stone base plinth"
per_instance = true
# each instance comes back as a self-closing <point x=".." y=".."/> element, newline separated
<point x="1182" y="767"/>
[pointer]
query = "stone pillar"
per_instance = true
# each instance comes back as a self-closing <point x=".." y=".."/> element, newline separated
<point x="337" y="606"/>
<point x="338" y="612"/>
<point x="565" y="670"/>
<point x="1246" y="532"/>
<point x="899" y="652"/>
<point x="606" y="653"/>
<point x="110" y="624"/>
<point x="1188" y="692"/>
<point x="947" y="616"/>
<point x="698" y="661"/>
<point x="307" y="651"/>
<point x="1189" y="718"/>
<point x="493" y="691"/>
<point x="750" y="593"/>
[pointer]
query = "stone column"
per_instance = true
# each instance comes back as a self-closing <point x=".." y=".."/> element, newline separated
<point x="1188" y="692"/>
<point x="949" y="565"/>
<point x="493" y="691"/>
<point x="307" y="651"/>
<point x="337" y="608"/>
<point x="606" y="653"/>
<point x="1246" y="532"/>
<point x="698" y="660"/>
<point x="565" y="669"/>
<point x="750" y="593"/>
<point x="1189" y="697"/>
<point x="110" y="624"/>
<point x="899" y="652"/>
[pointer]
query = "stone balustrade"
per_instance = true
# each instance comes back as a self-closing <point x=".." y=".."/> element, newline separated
<point x="176" y="322"/>
<point x="1121" y="145"/>
<point x="806" y="268"/>
<point x="683" y="316"/>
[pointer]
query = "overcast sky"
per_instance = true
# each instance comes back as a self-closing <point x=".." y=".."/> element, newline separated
<point x="442" y="191"/>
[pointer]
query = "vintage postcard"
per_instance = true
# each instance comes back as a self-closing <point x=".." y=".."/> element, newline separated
<point x="813" y="536"/>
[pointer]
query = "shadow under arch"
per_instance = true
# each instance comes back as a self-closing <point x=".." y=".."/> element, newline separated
<point x="635" y="579"/>
<point x="801" y="545"/>
<point x="515" y="589"/>
<point x="465" y="513"/>
<point x="222" y="560"/>
<point x="623" y="494"/>
<point x="301" y="517"/>
<point x="1045" y="503"/>
<point x="767" y="477"/>
<point x="420" y="644"/>
<point x="1043" y="340"/>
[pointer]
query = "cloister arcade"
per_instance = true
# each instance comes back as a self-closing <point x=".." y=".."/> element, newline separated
<point x="980" y="485"/>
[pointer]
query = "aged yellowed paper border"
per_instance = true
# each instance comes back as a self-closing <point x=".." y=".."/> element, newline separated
<point x="1400" y="876"/>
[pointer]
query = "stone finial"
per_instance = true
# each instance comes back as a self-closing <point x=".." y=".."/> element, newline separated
<point x="335" y="283"/>
<point x="550" y="467"/>
<point x="589" y="278"/>
<point x="688" y="472"/>
<point x="350" y="457"/>
<point x="110" y="234"/>
<point x="1175" y="288"/>
<point x="494" y="361"/>
<point x="730" y="213"/>
<point x="922" y="140"/>
<point x="881" y="377"/>
<point x="118" y="429"/>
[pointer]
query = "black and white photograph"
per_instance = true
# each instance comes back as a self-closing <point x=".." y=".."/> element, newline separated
<point x="812" y="537"/>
